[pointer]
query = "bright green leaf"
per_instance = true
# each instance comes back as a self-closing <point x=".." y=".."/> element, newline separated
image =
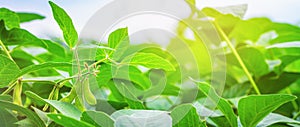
<point x="10" y="18"/>
<point x="149" y="60"/>
<point x="253" y="58"/>
<point x="17" y="36"/>
<point x="118" y="40"/>
<point x="8" y="71"/>
<point x="33" y="68"/>
<point x="68" y="121"/>
<point x="65" y="23"/>
<point x="222" y="104"/>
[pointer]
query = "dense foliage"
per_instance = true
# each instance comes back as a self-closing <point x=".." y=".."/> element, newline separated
<point x="59" y="83"/>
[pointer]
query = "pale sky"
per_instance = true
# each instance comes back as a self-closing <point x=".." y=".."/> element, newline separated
<point x="80" y="11"/>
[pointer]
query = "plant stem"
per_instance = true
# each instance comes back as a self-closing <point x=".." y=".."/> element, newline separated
<point x="294" y="103"/>
<point x="238" y="58"/>
<point x="11" y="86"/>
<point x="5" y="50"/>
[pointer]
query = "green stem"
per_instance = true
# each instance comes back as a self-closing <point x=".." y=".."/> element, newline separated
<point x="50" y="97"/>
<point x="238" y="58"/>
<point x="10" y="88"/>
<point x="35" y="80"/>
<point x="295" y="117"/>
<point x="294" y="103"/>
<point x="5" y="50"/>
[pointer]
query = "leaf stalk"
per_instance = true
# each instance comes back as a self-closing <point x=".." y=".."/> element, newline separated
<point x="238" y="57"/>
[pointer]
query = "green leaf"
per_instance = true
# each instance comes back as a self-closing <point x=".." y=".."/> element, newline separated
<point x="192" y="57"/>
<point x="117" y="37"/>
<point x="133" y="74"/>
<point x="35" y="119"/>
<point x="8" y="71"/>
<point x="68" y="121"/>
<point x="149" y="60"/>
<point x="65" y="23"/>
<point x="273" y="83"/>
<point x="253" y="58"/>
<point x="252" y="109"/>
<point x="118" y="40"/>
<point x="220" y="121"/>
<point x="55" y="48"/>
<point x="10" y="18"/>
<point x="63" y="107"/>
<point x="222" y="104"/>
<point x="27" y="17"/>
<point x="226" y="21"/>
<point x="17" y="36"/>
<point x="6" y="98"/>
<point x="129" y="97"/>
<point x="185" y="115"/>
<point x="109" y="106"/>
<point x="287" y="53"/>
<point x="33" y="68"/>
<point x="105" y="74"/>
<point x="273" y="118"/>
<point x="7" y="119"/>
<point x="236" y="10"/>
<point x="141" y="118"/>
<point x="98" y="119"/>
<point x="42" y="115"/>
<point x="250" y="29"/>
<point x="25" y="123"/>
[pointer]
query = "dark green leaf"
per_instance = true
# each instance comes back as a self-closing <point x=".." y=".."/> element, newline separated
<point x="133" y="74"/>
<point x="7" y="119"/>
<point x="252" y="109"/>
<point x="220" y="121"/>
<point x="63" y="107"/>
<point x="129" y="97"/>
<point x="98" y="119"/>
<point x="35" y="119"/>
<point x="27" y="17"/>
<point x="273" y="83"/>
<point x="185" y="115"/>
